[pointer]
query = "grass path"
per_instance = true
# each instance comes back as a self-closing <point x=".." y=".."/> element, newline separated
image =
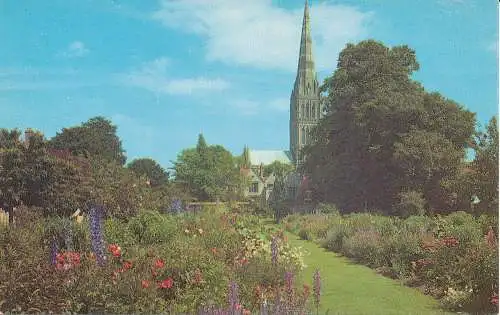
<point x="353" y="289"/>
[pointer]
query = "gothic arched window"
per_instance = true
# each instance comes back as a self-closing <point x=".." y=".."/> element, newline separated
<point x="303" y="131"/>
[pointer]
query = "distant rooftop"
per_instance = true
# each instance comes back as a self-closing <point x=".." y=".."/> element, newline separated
<point x="267" y="157"/>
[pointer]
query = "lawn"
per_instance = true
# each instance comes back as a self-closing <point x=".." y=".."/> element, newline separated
<point x="348" y="288"/>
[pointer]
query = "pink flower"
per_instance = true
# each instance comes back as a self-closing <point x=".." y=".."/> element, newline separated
<point x="494" y="299"/>
<point x="166" y="284"/>
<point x="127" y="265"/>
<point x="159" y="263"/>
<point x="145" y="284"/>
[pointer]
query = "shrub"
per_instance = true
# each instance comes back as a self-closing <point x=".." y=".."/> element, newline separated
<point x="410" y="203"/>
<point x="327" y="208"/>
<point x="363" y="246"/>
<point x="336" y="236"/>
<point x="151" y="227"/>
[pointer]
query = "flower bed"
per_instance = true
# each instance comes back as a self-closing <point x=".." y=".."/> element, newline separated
<point x="212" y="263"/>
<point x="454" y="258"/>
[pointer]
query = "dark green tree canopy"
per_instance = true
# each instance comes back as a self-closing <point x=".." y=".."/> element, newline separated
<point x="484" y="174"/>
<point x="151" y="169"/>
<point x="279" y="169"/>
<point x="383" y="132"/>
<point x="95" y="138"/>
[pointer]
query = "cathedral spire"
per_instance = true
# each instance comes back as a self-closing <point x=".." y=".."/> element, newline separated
<point x="306" y="74"/>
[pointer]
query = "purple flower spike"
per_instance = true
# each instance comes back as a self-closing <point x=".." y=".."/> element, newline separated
<point x="233" y="297"/>
<point x="176" y="206"/>
<point x="96" y="234"/>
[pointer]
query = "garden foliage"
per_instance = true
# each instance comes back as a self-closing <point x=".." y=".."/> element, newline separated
<point x="453" y="257"/>
<point x="150" y="263"/>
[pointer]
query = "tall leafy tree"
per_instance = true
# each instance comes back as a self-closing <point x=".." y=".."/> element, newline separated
<point x="94" y="138"/>
<point x="210" y="172"/>
<point x="151" y="169"/>
<point x="383" y="132"/>
<point x="245" y="158"/>
<point x="485" y="168"/>
<point x="32" y="175"/>
<point x="11" y="172"/>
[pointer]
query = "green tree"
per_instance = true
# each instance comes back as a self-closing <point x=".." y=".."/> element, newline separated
<point x="11" y="172"/>
<point x="210" y="172"/>
<point x="383" y="131"/>
<point x="279" y="169"/>
<point x="33" y="176"/>
<point x="151" y="169"/>
<point x="484" y="174"/>
<point x="245" y="158"/>
<point x="119" y="189"/>
<point x="94" y="138"/>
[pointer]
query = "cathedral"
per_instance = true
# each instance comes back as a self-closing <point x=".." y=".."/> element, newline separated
<point x="306" y="110"/>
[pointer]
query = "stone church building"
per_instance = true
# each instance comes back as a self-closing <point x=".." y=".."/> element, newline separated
<point x="306" y="109"/>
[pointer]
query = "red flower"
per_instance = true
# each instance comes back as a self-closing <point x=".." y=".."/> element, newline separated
<point x="115" y="250"/>
<point x="127" y="265"/>
<point x="166" y="284"/>
<point x="75" y="257"/>
<point x="214" y="250"/>
<point x="60" y="258"/>
<point x="159" y="263"/>
<point x="145" y="284"/>
<point x="494" y="299"/>
<point x="67" y="260"/>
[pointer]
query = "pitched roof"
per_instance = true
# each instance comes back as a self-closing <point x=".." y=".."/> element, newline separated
<point x="267" y="157"/>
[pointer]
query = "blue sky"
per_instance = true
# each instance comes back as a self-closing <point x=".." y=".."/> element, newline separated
<point x="164" y="71"/>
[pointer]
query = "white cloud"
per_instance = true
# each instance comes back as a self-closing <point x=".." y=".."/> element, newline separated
<point x="153" y="76"/>
<point x="189" y="86"/>
<point x="75" y="49"/>
<point x="256" y="33"/>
